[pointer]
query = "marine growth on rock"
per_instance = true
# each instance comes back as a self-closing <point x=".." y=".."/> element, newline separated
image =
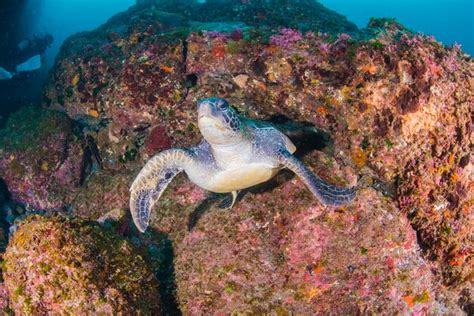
<point x="68" y="266"/>
<point x="383" y="104"/>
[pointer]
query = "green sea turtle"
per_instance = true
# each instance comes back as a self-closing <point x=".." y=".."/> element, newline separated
<point x="236" y="153"/>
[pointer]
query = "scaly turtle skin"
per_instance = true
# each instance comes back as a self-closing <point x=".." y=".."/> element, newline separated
<point x="236" y="153"/>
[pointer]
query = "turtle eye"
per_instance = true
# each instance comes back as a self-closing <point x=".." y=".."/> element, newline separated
<point x="222" y="105"/>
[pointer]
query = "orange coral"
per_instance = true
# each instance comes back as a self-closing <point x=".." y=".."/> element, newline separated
<point x="409" y="300"/>
<point x="218" y="50"/>
<point x="369" y="68"/>
<point x="75" y="80"/>
<point x="93" y="113"/>
<point x="167" y="69"/>
<point x="454" y="177"/>
<point x="272" y="49"/>
<point x="359" y="157"/>
<point x="321" y="110"/>
<point x="458" y="259"/>
<point x="261" y="86"/>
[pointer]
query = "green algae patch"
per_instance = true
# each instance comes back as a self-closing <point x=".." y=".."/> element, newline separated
<point x="62" y="265"/>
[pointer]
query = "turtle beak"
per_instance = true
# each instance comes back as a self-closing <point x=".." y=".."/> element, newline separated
<point x="205" y="109"/>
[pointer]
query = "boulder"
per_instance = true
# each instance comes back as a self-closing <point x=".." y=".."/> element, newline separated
<point x="42" y="157"/>
<point x="61" y="265"/>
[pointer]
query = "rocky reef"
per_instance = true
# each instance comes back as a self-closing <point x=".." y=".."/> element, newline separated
<point x="397" y="107"/>
<point x="41" y="157"/>
<point x="59" y="266"/>
<point x="305" y="15"/>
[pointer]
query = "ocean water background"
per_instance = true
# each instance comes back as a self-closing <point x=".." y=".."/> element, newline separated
<point x="62" y="18"/>
<point x="449" y="21"/>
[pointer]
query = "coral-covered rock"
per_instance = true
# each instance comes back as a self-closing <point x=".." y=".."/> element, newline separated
<point x="126" y="80"/>
<point x="398" y="107"/>
<point x="297" y="257"/>
<point x="307" y="15"/>
<point x="103" y="192"/>
<point x="59" y="265"/>
<point x="41" y="157"/>
<point x="131" y="74"/>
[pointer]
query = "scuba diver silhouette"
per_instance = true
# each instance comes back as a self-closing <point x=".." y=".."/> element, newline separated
<point x="27" y="56"/>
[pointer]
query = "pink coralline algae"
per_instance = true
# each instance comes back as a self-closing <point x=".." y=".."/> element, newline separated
<point x="450" y="60"/>
<point x="43" y="162"/>
<point x="60" y="265"/>
<point x="286" y="38"/>
<point x="343" y="37"/>
<point x="189" y="193"/>
<point x="3" y="298"/>
<point x="324" y="47"/>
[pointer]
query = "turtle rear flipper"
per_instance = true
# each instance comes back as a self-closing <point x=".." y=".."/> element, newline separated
<point x="229" y="200"/>
<point x="153" y="180"/>
<point x="326" y="193"/>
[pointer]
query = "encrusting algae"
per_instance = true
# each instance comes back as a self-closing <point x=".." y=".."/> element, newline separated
<point x="60" y="265"/>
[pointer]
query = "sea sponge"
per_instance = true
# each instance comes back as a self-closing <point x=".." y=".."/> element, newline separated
<point x="63" y="265"/>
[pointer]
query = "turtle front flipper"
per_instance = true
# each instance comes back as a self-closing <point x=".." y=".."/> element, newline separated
<point x="326" y="193"/>
<point x="152" y="180"/>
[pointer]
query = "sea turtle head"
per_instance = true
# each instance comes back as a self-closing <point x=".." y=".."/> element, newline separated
<point x="219" y="122"/>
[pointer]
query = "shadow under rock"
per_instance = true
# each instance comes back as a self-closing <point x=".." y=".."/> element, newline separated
<point x="4" y="193"/>
<point x="201" y="209"/>
<point x="157" y="248"/>
<point x="304" y="135"/>
<point x="161" y="251"/>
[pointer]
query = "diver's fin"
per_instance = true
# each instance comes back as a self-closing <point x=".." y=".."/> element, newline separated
<point x="31" y="64"/>
<point x="5" y="75"/>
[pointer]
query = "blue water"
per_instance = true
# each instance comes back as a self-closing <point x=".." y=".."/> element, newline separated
<point x="448" y="20"/>
<point x="62" y="18"/>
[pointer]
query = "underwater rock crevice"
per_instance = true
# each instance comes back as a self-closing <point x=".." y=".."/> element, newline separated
<point x="184" y="51"/>
<point x="4" y="193"/>
<point x="161" y="254"/>
<point x="6" y="215"/>
<point x="86" y="164"/>
<point x="305" y="135"/>
<point x="191" y="80"/>
<point x="91" y="145"/>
